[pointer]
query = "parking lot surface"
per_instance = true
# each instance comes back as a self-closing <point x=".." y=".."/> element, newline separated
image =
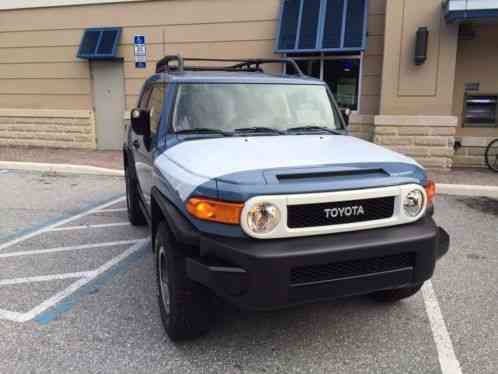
<point x="78" y="295"/>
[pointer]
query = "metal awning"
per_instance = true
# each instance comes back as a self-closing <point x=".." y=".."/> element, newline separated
<point x="458" y="11"/>
<point x="100" y="43"/>
<point x="310" y="26"/>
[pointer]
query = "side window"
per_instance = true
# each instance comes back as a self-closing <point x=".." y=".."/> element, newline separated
<point x="155" y="106"/>
<point x="142" y="102"/>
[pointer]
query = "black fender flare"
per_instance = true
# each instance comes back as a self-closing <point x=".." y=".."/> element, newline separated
<point x="130" y="161"/>
<point x="181" y="229"/>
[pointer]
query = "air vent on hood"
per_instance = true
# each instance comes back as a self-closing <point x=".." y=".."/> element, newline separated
<point x="331" y="176"/>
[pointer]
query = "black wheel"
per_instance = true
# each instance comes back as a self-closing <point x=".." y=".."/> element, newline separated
<point x="391" y="296"/>
<point x="185" y="306"/>
<point x="135" y="214"/>
<point x="491" y="155"/>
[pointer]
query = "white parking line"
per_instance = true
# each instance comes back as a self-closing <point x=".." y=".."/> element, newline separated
<point x="111" y="210"/>
<point x="46" y="278"/>
<point x="65" y="249"/>
<point x="47" y="304"/>
<point x="84" y="227"/>
<point x="60" y="223"/>
<point x="446" y="353"/>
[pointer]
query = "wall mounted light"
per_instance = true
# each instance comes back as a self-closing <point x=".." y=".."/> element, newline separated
<point x="421" y="43"/>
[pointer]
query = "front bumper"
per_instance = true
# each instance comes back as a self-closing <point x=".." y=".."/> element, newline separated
<point x="268" y="274"/>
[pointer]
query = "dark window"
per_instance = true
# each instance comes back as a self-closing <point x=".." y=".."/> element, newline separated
<point x="99" y="44"/>
<point x="155" y="106"/>
<point x="310" y="67"/>
<point x="353" y="37"/>
<point x="480" y="110"/>
<point x="333" y="24"/>
<point x="309" y="25"/>
<point x="288" y="25"/>
<point x="343" y="77"/>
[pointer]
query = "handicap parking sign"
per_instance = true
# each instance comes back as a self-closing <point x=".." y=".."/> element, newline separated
<point x="140" y="52"/>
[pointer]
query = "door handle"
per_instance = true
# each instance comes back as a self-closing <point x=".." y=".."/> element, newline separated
<point x="136" y="144"/>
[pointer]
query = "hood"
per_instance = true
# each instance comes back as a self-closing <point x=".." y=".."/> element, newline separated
<point x="215" y="158"/>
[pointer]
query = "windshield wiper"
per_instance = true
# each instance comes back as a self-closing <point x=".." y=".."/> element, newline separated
<point x="258" y="129"/>
<point x="202" y="130"/>
<point x="313" y="128"/>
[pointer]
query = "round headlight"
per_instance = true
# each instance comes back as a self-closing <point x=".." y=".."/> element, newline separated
<point x="263" y="218"/>
<point x="414" y="203"/>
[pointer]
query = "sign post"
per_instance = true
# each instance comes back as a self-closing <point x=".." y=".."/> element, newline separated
<point x="140" y="52"/>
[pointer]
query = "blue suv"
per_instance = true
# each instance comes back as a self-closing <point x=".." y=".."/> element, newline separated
<point x="255" y="193"/>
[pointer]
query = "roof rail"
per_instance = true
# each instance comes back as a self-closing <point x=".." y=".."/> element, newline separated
<point x="176" y="64"/>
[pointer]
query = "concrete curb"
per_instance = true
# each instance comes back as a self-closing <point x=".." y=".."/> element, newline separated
<point x="60" y="168"/>
<point x="467" y="190"/>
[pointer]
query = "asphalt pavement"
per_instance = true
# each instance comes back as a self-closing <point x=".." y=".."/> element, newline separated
<point x="78" y="295"/>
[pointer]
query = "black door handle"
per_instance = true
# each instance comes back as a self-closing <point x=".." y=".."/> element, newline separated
<point x="136" y="144"/>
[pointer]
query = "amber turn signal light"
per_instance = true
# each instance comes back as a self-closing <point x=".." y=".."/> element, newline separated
<point x="430" y="190"/>
<point x="215" y="211"/>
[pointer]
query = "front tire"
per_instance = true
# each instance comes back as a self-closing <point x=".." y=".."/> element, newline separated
<point x="185" y="306"/>
<point x="135" y="214"/>
<point x="394" y="295"/>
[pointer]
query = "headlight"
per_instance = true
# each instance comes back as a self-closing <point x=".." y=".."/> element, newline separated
<point x="414" y="203"/>
<point x="263" y="218"/>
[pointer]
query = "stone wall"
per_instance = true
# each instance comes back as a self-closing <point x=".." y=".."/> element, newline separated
<point x="471" y="152"/>
<point x="428" y="139"/>
<point x="362" y="126"/>
<point x="48" y="128"/>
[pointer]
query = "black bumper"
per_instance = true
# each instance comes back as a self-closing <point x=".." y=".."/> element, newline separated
<point x="267" y="274"/>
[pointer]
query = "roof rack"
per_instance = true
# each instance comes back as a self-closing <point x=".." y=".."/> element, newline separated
<point x="176" y="64"/>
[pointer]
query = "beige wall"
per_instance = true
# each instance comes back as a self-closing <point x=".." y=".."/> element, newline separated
<point x="372" y="63"/>
<point x="477" y="61"/>
<point x="38" y="64"/>
<point x="408" y="89"/>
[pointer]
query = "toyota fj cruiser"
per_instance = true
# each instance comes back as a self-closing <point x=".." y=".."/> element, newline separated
<point x="255" y="192"/>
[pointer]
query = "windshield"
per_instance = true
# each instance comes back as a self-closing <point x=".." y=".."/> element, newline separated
<point x="232" y="107"/>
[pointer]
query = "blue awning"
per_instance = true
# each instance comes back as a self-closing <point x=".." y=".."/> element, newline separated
<point x="100" y="43"/>
<point x="471" y="10"/>
<point x="308" y="26"/>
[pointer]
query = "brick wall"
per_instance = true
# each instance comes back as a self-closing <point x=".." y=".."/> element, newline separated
<point x="428" y="139"/>
<point x="471" y="152"/>
<point x="362" y="126"/>
<point x="47" y="128"/>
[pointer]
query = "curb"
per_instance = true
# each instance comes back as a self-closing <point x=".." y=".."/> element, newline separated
<point x="60" y="168"/>
<point x="467" y="190"/>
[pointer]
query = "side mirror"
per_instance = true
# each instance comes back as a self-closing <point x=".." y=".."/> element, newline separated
<point x="140" y="122"/>
<point x="346" y="113"/>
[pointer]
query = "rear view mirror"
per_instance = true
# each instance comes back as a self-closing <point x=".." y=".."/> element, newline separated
<point x="346" y="113"/>
<point x="140" y="122"/>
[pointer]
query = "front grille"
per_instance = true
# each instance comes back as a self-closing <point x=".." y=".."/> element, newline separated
<point x="337" y="270"/>
<point x="315" y="215"/>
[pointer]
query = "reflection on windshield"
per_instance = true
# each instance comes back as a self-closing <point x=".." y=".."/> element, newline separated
<point x="229" y="107"/>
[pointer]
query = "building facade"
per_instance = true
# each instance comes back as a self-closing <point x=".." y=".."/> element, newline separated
<point x="420" y="76"/>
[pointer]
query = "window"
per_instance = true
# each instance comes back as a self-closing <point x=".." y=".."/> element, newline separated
<point x="480" y="110"/>
<point x="343" y="78"/>
<point x="155" y="106"/>
<point x="229" y="107"/>
<point x="342" y="74"/>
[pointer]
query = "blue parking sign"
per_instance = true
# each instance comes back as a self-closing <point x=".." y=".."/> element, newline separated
<point x="140" y="52"/>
